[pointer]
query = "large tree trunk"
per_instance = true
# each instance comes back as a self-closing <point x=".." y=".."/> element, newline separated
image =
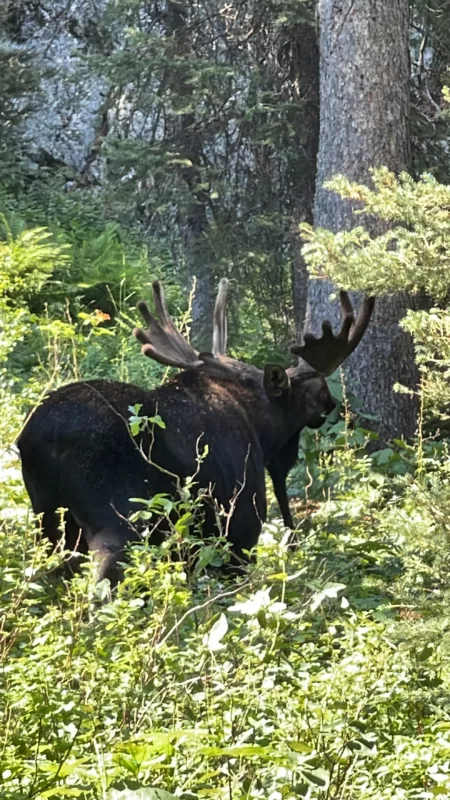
<point x="364" y="122"/>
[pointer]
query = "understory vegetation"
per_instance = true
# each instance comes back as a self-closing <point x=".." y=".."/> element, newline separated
<point x="325" y="672"/>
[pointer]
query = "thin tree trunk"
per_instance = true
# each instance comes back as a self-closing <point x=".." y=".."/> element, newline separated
<point x="197" y="249"/>
<point x="364" y="122"/>
<point x="299" y="277"/>
<point x="305" y="82"/>
<point x="199" y="260"/>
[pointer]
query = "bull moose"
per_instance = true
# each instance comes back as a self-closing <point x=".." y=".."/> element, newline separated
<point x="78" y="452"/>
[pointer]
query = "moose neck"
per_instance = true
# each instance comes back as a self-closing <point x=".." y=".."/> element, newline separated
<point x="273" y="420"/>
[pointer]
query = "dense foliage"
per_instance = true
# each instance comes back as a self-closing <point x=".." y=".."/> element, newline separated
<point x="325" y="673"/>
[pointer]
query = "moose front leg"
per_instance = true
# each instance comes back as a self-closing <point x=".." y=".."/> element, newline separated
<point x="278" y="469"/>
<point x="278" y="475"/>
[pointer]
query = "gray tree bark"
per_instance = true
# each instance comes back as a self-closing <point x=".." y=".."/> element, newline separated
<point x="299" y="276"/>
<point x="364" y="122"/>
<point x="200" y="264"/>
<point x="305" y="81"/>
<point x="196" y="244"/>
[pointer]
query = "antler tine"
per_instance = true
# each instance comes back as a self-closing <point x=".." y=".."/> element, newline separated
<point x="161" y="307"/>
<point x="219" y="347"/>
<point x="328" y="352"/>
<point x="346" y="304"/>
<point x="162" y="341"/>
<point x="178" y="340"/>
<point x="362" y="322"/>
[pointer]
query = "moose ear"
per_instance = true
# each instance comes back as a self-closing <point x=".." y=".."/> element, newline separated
<point x="276" y="380"/>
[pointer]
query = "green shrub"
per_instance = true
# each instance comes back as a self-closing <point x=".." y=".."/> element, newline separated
<point x="323" y="674"/>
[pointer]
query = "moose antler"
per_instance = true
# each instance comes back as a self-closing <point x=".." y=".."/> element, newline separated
<point x="219" y="347"/>
<point x="326" y="353"/>
<point x="165" y="344"/>
<point x="162" y="341"/>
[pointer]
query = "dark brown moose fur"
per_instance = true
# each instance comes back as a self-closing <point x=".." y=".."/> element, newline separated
<point x="78" y="453"/>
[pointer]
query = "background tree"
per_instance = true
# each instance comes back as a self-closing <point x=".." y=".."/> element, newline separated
<point x="430" y="58"/>
<point x="364" y="122"/>
<point x="212" y="143"/>
<point x="19" y="85"/>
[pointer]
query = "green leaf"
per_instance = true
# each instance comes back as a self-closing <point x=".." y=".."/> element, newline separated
<point x="299" y="747"/>
<point x="335" y="387"/>
<point x="63" y="770"/>
<point x="317" y="777"/>
<point x="425" y="653"/>
<point x="135" y="426"/>
<point x="383" y="456"/>
<point x="183" y="523"/>
<point x="157" y="420"/>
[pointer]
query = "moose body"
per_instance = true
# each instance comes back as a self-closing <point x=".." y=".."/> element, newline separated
<point x="78" y="452"/>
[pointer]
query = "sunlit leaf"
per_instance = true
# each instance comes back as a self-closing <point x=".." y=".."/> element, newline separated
<point x="213" y="639"/>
